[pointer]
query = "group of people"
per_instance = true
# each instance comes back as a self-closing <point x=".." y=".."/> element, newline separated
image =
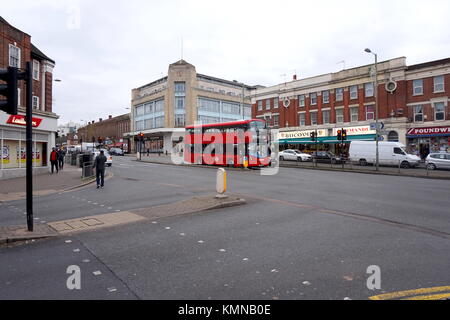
<point x="57" y="159"/>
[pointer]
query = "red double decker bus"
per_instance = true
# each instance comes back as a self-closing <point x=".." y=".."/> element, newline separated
<point x="242" y="143"/>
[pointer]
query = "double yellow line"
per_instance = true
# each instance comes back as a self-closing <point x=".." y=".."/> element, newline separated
<point x="435" y="293"/>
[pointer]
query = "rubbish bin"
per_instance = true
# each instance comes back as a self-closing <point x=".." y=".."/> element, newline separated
<point x="87" y="165"/>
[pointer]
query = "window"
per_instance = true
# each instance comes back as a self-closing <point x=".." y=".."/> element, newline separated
<point x="354" y="114"/>
<point x="14" y="56"/>
<point x="339" y="115"/>
<point x="353" y="92"/>
<point x="438" y="84"/>
<point x="231" y="108"/>
<point x="275" y="103"/>
<point x="326" y="117"/>
<point x="139" y="111"/>
<point x="179" y="103"/>
<point x="179" y="120"/>
<point x="19" y="95"/>
<point x="418" y="113"/>
<point x="180" y="87"/>
<point x="398" y="151"/>
<point x="206" y="119"/>
<point x="159" y="122"/>
<point x="36" y="70"/>
<point x="247" y="112"/>
<point x="36" y="102"/>
<point x="159" y="106"/>
<point x="267" y="104"/>
<point x="302" y="119"/>
<point x="276" y="120"/>
<point x="148" y="108"/>
<point x="370" y="112"/>
<point x="140" y="125"/>
<point x="439" y="111"/>
<point x="325" y="96"/>
<point x="417" y="87"/>
<point x="313" y="118"/>
<point x="259" y="105"/>
<point x="301" y="100"/>
<point x="313" y="97"/>
<point x="339" y="94"/>
<point x="208" y="105"/>
<point x="368" y="89"/>
<point x="148" y="124"/>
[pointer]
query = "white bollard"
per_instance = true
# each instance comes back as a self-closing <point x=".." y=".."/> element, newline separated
<point x="221" y="183"/>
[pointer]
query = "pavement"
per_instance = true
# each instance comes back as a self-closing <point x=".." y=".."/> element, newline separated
<point x="43" y="184"/>
<point x="420" y="172"/>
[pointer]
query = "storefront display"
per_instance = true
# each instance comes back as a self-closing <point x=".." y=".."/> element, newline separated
<point x="425" y="140"/>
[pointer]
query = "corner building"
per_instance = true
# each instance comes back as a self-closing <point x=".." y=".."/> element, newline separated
<point x="163" y="108"/>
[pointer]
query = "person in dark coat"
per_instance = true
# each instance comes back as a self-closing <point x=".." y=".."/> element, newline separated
<point x="61" y="155"/>
<point x="54" y="160"/>
<point x="99" y="165"/>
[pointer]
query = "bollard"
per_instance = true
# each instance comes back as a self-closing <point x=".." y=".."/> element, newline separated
<point x="221" y="183"/>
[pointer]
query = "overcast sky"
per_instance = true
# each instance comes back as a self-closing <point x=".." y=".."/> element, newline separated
<point x="103" y="49"/>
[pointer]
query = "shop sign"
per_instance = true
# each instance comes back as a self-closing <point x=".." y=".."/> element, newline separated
<point x="353" y="131"/>
<point x="428" y="131"/>
<point x="21" y="121"/>
<point x="301" y="134"/>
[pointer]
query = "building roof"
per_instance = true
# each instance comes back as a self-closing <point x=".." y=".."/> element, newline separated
<point x="38" y="53"/>
<point x="7" y="23"/>
<point x="429" y="64"/>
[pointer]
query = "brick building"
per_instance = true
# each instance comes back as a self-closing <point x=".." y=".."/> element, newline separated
<point x="111" y="131"/>
<point x="412" y="104"/>
<point x="162" y="108"/>
<point x="16" y="50"/>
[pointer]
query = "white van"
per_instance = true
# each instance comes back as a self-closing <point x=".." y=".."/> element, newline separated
<point x="389" y="153"/>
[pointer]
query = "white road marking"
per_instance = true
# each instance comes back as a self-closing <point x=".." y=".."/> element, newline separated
<point x="76" y="250"/>
<point x="68" y="241"/>
<point x="201" y="241"/>
<point x="97" y="273"/>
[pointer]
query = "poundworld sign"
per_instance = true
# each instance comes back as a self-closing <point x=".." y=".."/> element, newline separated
<point x="429" y="131"/>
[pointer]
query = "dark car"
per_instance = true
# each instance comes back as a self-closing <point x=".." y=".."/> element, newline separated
<point x="327" y="157"/>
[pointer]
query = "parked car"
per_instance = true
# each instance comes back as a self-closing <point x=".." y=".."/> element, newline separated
<point x="327" y="157"/>
<point x="294" y="155"/>
<point x="107" y="155"/>
<point x="116" y="151"/>
<point x="389" y="153"/>
<point x="438" y="161"/>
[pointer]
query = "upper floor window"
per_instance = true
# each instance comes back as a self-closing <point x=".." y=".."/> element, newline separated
<point x="180" y="87"/>
<point x="301" y="100"/>
<point x="313" y="97"/>
<point x="179" y="103"/>
<point x="354" y="114"/>
<point x="302" y="119"/>
<point x="276" y="120"/>
<point x="259" y="105"/>
<point x="438" y="84"/>
<point x="339" y="115"/>
<point x="370" y="112"/>
<point x="267" y="104"/>
<point x="313" y="118"/>
<point x="36" y="68"/>
<point x="14" y="56"/>
<point x="368" y="89"/>
<point x="417" y="87"/>
<point x="353" y="92"/>
<point x="339" y="94"/>
<point x="326" y="96"/>
<point x="326" y="116"/>
<point x="275" y="103"/>
<point x="418" y="113"/>
<point x="439" y="111"/>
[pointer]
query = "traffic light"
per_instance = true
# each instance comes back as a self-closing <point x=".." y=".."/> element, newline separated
<point x="141" y="135"/>
<point x="313" y="136"/>
<point x="9" y="90"/>
<point x="344" y="135"/>
<point x="339" y="135"/>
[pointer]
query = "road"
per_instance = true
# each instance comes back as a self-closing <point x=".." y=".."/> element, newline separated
<point x="303" y="234"/>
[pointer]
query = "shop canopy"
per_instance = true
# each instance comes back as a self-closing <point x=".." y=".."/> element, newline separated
<point x="363" y="137"/>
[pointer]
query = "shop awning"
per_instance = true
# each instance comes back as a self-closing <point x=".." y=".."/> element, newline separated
<point x="362" y="137"/>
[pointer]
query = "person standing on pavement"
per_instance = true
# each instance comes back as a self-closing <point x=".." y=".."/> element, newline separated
<point x="54" y="160"/>
<point x="61" y="154"/>
<point x="99" y="165"/>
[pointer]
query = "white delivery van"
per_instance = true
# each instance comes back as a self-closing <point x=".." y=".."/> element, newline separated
<point x="389" y="153"/>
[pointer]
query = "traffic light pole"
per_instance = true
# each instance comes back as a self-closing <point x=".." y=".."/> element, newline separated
<point x="29" y="148"/>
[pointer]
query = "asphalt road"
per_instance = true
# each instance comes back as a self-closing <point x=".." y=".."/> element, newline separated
<point x="304" y="234"/>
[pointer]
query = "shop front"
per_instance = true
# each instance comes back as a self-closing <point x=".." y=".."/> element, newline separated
<point x="425" y="140"/>
<point x="13" y="144"/>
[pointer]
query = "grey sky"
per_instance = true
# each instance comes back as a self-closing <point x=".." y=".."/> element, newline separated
<point x="114" y="46"/>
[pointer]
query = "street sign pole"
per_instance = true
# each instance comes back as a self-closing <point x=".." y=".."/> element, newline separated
<point x="29" y="147"/>
<point x="376" y="113"/>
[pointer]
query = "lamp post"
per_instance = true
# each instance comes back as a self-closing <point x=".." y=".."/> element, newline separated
<point x="376" y="106"/>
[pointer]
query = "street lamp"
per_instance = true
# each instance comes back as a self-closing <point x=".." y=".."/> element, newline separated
<point x="376" y="106"/>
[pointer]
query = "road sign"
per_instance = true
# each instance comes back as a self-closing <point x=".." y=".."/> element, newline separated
<point x="373" y="126"/>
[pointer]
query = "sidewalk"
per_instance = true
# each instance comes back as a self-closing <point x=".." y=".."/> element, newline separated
<point x="43" y="184"/>
<point x="420" y="172"/>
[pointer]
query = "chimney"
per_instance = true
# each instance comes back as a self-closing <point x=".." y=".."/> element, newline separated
<point x="294" y="77"/>
<point x="110" y="116"/>
<point x="100" y="119"/>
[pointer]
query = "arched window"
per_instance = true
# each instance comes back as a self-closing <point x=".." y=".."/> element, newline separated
<point x="393" y="136"/>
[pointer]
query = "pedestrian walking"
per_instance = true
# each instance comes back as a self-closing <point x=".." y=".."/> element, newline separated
<point x="148" y="152"/>
<point x="61" y="155"/>
<point x="54" y="159"/>
<point x="99" y="165"/>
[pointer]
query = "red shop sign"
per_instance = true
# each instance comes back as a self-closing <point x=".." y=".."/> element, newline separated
<point x="428" y="131"/>
<point x="21" y="121"/>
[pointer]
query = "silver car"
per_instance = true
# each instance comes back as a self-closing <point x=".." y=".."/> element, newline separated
<point x="294" y="155"/>
<point x="438" y="161"/>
